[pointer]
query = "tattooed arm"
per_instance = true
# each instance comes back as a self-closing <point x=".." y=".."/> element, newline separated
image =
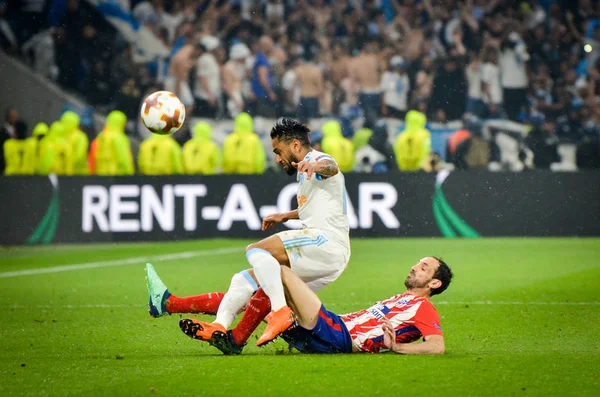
<point x="324" y="167"/>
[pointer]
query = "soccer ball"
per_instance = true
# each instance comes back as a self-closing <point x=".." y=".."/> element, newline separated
<point x="163" y="113"/>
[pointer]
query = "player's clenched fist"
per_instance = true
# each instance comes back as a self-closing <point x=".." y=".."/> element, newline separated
<point x="272" y="220"/>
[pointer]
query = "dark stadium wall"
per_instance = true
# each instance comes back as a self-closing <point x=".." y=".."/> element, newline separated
<point x="38" y="210"/>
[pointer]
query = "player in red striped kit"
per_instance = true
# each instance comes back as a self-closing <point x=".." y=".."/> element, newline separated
<point x="388" y="325"/>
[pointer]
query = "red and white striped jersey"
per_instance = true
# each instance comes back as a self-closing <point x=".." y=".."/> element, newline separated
<point x="413" y="317"/>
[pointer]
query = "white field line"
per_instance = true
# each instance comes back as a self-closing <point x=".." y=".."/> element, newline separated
<point x="120" y="262"/>
<point x="481" y="303"/>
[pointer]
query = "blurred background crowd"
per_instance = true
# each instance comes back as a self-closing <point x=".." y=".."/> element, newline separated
<point x="356" y="65"/>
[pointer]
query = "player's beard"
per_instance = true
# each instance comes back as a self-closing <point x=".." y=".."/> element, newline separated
<point x="411" y="283"/>
<point x="291" y="170"/>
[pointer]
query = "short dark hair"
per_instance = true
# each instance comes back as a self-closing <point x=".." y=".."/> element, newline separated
<point x="444" y="274"/>
<point x="287" y="129"/>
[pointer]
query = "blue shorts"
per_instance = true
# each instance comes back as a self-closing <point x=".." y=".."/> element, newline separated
<point x="330" y="335"/>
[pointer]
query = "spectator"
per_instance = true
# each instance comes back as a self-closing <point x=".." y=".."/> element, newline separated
<point x="55" y="152"/>
<point x="449" y="83"/>
<point x="413" y="145"/>
<point x="569" y="127"/>
<point x="97" y="89"/>
<point x="80" y="48"/>
<point x="177" y="80"/>
<point x="513" y="61"/>
<point x="467" y="149"/>
<point x="32" y="148"/>
<point x="31" y="19"/>
<point x="207" y="90"/>
<point x="243" y="152"/>
<point x="128" y="98"/>
<point x="160" y="155"/>
<point x="78" y="141"/>
<point x="452" y="144"/>
<point x="153" y="14"/>
<point x="543" y="143"/>
<point x="200" y="154"/>
<point x="123" y="67"/>
<point x="424" y="84"/>
<point x="113" y="156"/>
<point x="290" y="89"/>
<point x="338" y="147"/>
<point x="9" y="130"/>
<point x="593" y="42"/>
<point x="395" y="86"/>
<point x="8" y="40"/>
<point x="11" y="122"/>
<point x="310" y="78"/>
<point x="365" y="77"/>
<point x="262" y="81"/>
<point x="473" y="76"/>
<point x="491" y="91"/>
<point x="234" y="74"/>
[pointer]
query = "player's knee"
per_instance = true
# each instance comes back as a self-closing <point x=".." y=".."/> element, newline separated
<point x="243" y="279"/>
<point x="254" y="246"/>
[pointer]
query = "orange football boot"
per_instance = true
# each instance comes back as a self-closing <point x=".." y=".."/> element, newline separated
<point x="197" y="329"/>
<point x="280" y="321"/>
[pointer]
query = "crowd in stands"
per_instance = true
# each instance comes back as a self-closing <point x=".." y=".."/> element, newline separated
<point x="536" y="62"/>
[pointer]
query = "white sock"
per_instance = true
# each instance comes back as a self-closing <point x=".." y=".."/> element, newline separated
<point x="268" y="273"/>
<point x="240" y="291"/>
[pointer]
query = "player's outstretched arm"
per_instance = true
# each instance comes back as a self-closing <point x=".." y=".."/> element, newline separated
<point x="324" y="167"/>
<point x="274" y="219"/>
<point x="433" y="344"/>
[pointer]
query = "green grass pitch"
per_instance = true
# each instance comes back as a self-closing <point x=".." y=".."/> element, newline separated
<point x="521" y="318"/>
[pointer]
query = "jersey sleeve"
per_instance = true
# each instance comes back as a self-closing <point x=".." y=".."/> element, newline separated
<point x="322" y="156"/>
<point x="427" y="320"/>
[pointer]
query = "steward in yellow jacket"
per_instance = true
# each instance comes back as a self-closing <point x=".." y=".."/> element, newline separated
<point x="338" y="147"/>
<point x="78" y="141"/>
<point x="33" y="147"/>
<point x="413" y="145"/>
<point x="160" y="155"/>
<point x="55" y="156"/>
<point x="14" y="153"/>
<point x="243" y="151"/>
<point x="200" y="154"/>
<point x="113" y="150"/>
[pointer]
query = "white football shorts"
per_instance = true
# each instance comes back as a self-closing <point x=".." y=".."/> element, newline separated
<point x="316" y="256"/>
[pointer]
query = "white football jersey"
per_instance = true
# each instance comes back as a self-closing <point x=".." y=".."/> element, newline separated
<point x="322" y="201"/>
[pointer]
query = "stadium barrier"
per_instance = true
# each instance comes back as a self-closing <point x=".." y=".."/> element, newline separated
<point x="39" y="210"/>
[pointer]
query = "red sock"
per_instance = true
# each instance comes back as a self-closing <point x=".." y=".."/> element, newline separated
<point x="258" y="308"/>
<point x="205" y="303"/>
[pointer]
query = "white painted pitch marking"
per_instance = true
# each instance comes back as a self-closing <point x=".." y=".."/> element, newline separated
<point x="119" y="262"/>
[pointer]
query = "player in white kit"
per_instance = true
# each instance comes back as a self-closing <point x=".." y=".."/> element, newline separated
<point x="318" y="253"/>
